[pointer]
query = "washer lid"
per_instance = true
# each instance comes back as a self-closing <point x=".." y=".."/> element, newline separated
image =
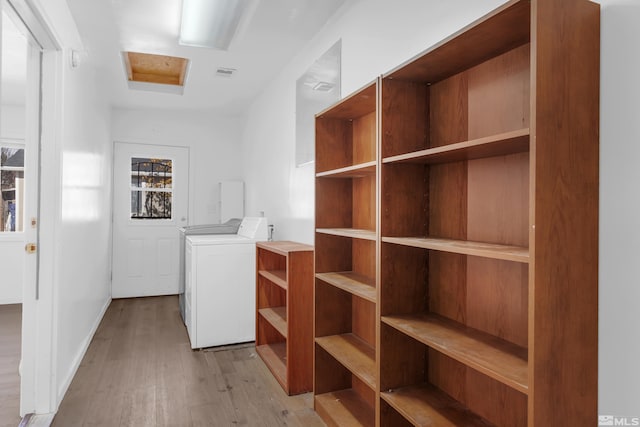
<point x="229" y="227"/>
<point x="218" y="239"/>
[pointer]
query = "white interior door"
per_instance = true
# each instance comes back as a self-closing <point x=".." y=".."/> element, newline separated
<point x="150" y="202"/>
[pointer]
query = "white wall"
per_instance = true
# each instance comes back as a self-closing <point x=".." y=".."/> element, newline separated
<point x="12" y="121"/>
<point x="376" y="36"/>
<point x="75" y="244"/>
<point x="84" y="233"/>
<point x="619" y="275"/>
<point x="214" y="149"/>
<point x="12" y="126"/>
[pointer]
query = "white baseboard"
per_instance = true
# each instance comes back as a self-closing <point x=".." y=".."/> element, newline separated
<point x="40" y="420"/>
<point x="83" y="350"/>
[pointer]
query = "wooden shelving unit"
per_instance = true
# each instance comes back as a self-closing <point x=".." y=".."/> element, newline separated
<point x="353" y="283"/>
<point x="465" y="247"/>
<point x="346" y="253"/>
<point x="460" y="255"/>
<point x="494" y="145"/>
<point x="424" y="405"/>
<point x="498" y="359"/>
<point x="284" y="319"/>
<point x="353" y="233"/>
<point x="344" y="408"/>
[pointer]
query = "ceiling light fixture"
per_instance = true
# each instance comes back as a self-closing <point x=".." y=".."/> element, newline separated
<point x="214" y="23"/>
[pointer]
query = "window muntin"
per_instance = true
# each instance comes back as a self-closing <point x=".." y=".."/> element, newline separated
<point x="151" y="188"/>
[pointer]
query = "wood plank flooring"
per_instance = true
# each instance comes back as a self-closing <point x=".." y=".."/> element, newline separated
<point x="10" y="339"/>
<point x="140" y="371"/>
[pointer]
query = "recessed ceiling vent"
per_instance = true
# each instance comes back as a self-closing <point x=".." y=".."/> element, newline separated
<point x="226" y="72"/>
<point x="323" y="87"/>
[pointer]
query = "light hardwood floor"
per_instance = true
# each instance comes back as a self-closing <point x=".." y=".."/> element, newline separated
<point x="140" y="371"/>
<point x="10" y="338"/>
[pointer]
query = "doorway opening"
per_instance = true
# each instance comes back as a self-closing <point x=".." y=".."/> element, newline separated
<point x="21" y="123"/>
<point x="14" y="53"/>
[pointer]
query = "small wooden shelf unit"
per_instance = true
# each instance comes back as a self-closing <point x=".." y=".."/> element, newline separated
<point x="284" y="316"/>
<point x="457" y="230"/>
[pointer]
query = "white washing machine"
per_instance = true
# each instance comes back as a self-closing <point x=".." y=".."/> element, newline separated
<point x="220" y="285"/>
<point x="229" y="227"/>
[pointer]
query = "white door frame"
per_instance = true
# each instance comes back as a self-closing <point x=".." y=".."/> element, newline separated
<point x="38" y="392"/>
<point x="43" y="332"/>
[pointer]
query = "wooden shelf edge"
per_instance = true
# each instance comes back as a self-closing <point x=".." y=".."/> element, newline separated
<point x="353" y="283"/>
<point x="354" y="354"/>
<point x="354" y="233"/>
<point x="284" y="247"/>
<point x="425" y="405"/>
<point x="277" y="277"/>
<point x="274" y="356"/>
<point x="355" y="171"/>
<point x="516" y="141"/>
<point x="344" y="407"/>
<point x="465" y="247"/>
<point x="276" y="317"/>
<point x="503" y="361"/>
<point x="343" y="108"/>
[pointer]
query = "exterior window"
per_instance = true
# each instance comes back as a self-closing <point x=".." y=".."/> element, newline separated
<point x="12" y="186"/>
<point x="151" y="188"/>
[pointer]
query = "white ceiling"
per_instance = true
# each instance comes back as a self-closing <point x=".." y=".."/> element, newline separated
<point x="278" y="29"/>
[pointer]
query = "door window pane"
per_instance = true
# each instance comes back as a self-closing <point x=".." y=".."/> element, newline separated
<point x="151" y="188"/>
<point x="11" y="189"/>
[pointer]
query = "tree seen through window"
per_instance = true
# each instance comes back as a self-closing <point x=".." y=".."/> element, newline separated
<point x="151" y="188"/>
<point x="11" y="189"/>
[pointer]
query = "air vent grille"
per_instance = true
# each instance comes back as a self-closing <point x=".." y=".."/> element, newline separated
<point x="226" y="72"/>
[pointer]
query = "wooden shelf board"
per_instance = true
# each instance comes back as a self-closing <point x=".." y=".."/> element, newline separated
<point x="278" y="277"/>
<point x="465" y="247"/>
<point x="354" y="233"/>
<point x="425" y="405"/>
<point x="504" y="29"/>
<point x="496" y="145"/>
<point x="275" y="357"/>
<point x="355" y="171"/>
<point x="277" y="317"/>
<point x="354" y="354"/>
<point x="496" y="358"/>
<point x="354" y="283"/>
<point x="284" y="247"/>
<point x="345" y="408"/>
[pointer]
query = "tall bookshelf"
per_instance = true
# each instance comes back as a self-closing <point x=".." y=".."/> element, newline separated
<point x="485" y="271"/>
<point x="345" y="296"/>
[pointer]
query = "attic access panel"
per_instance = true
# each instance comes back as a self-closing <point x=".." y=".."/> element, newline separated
<point x="159" y="73"/>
